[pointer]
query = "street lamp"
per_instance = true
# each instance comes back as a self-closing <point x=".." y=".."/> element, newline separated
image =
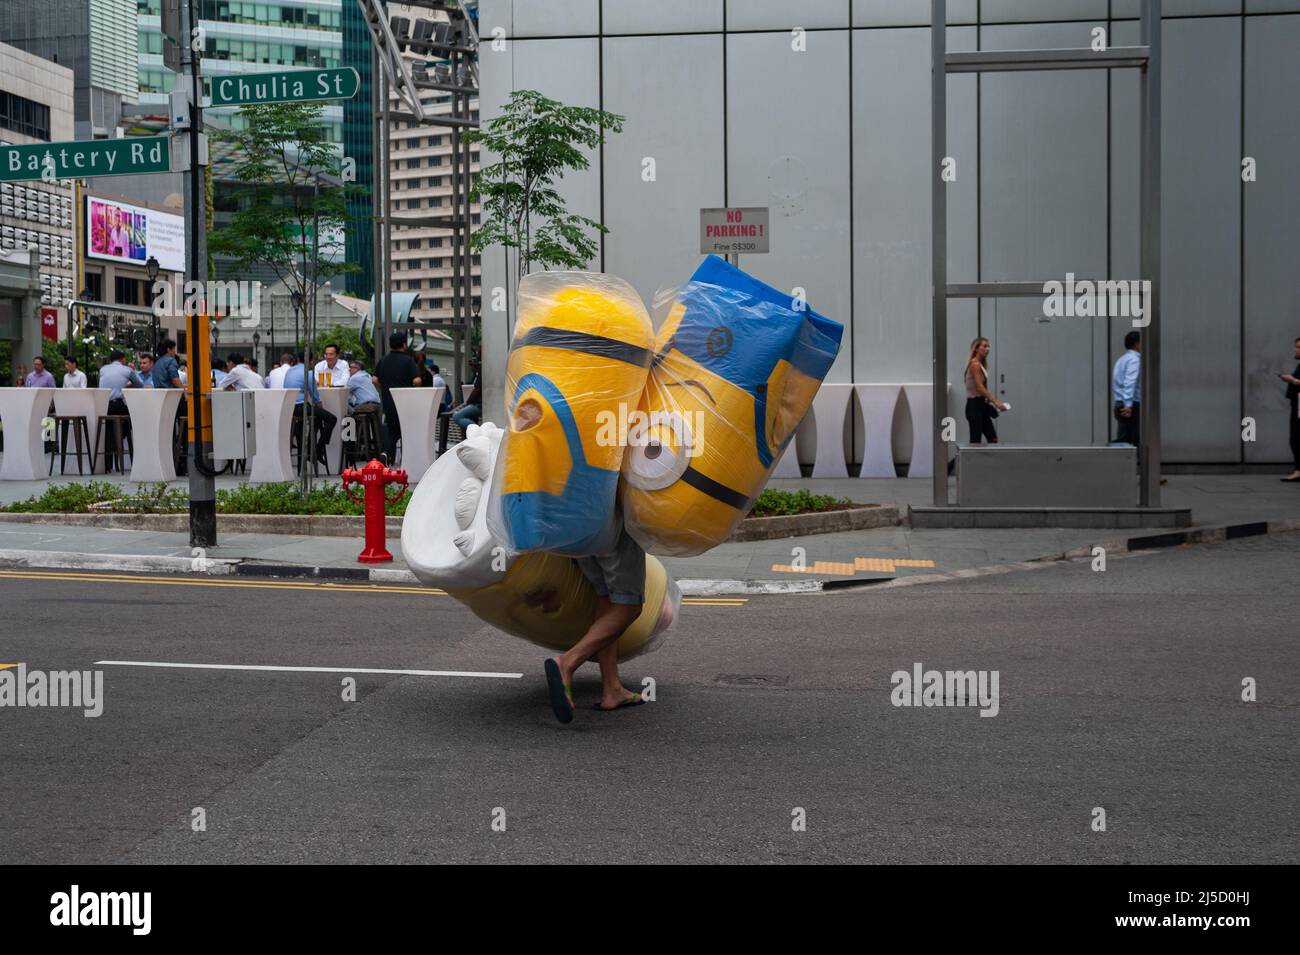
<point x="151" y="269"/>
<point x="296" y="297"/>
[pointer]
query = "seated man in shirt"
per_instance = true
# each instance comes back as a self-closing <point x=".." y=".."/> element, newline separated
<point x="363" y="393"/>
<point x="298" y="379"/>
<point x="116" y="376"/>
<point x="338" y="370"/>
<point x="240" y="376"/>
<point x="167" y="369"/>
<point x="146" y="371"/>
<point x="38" y="377"/>
<point x="72" y="378"/>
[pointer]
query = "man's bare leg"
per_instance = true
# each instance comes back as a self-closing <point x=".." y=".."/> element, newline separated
<point x="610" y="622"/>
<point x="612" y="691"/>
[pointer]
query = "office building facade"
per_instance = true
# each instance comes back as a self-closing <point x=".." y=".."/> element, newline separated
<point x="820" y="111"/>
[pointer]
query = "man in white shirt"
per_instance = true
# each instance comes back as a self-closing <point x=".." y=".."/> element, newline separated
<point x="72" y="378"/>
<point x="276" y="377"/>
<point x="239" y="377"/>
<point x="338" y="370"/>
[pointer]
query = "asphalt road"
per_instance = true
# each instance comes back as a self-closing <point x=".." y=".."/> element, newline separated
<point x="1120" y="690"/>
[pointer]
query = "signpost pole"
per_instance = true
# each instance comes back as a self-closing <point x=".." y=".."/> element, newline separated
<point x="203" y="496"/>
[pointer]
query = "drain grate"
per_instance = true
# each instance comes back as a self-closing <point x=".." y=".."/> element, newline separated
<point x="750" y="679"/>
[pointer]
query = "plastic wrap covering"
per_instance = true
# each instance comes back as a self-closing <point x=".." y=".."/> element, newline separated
<point x="540" y="597"/>
<point x="445" y="536"/>
<point x="736" y="366"/>
<point x="545" y="599"/>
<point x="581" y="352"/>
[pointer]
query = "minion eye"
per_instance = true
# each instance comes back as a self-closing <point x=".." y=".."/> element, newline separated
<point x="660" y="459"/>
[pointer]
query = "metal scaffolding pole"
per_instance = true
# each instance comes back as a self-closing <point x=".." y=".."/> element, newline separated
<point x="1149" y="415"/>
<point x="1145" y="57"/>
<point x="376" y="197"/>
<point x="939" y="244"/>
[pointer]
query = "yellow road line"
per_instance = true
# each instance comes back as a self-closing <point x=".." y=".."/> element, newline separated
<point x="247" y="584"/>
<point x="7" y="666"/>
<point x="241" y="583"/>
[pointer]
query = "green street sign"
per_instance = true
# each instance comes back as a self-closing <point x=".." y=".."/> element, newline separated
<point x="290" y="86"/>
<point x="81" y="160"/>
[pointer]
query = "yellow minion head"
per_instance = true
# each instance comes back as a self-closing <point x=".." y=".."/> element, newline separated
<point x="736" y="368"/>
<point x="581" y="350"/>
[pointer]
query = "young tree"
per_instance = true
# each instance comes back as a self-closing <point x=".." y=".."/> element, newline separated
<point x="536" y="140"/>
<point x="292" y="192"/>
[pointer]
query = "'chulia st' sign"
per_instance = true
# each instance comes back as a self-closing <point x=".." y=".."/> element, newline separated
<point x="81" y="160"/>
<point x="288" y="86"/>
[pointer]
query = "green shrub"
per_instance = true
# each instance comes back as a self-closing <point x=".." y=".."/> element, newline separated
<point x="68" y="498"/>
<point x="286" y="499"/>
<point x="773" y="502"/>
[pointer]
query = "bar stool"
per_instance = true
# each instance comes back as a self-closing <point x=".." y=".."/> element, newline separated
<point x="79" y="430"/>
<point x="116" y="431"/>
<point x="296" y="431"/>
<point x="367" y="443"/>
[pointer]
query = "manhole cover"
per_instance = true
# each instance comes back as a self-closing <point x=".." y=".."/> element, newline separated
<point x="750" y="679"/>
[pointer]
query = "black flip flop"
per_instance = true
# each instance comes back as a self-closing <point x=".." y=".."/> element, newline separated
<point x="633" y="700"/>
<point x="561" y="695"/>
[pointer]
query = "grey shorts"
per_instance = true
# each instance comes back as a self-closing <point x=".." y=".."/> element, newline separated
<point x="620" y="574"/>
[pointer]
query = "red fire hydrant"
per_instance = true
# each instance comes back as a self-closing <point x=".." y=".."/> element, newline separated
<point x="373" y="477"/>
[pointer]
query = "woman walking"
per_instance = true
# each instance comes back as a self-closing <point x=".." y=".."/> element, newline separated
<point x="981" y="407"/>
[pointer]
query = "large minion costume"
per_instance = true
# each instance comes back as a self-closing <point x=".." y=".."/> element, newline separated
<point x="582" y="348"/>
<point x="543" y="598"/>
<point x="736" y="366"/>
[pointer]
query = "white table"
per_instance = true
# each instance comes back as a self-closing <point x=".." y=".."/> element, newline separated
<point x="21" y="411"/>
<point x="273" y="408"/>
<point x="878" y="403"/>
<point x="153" y="419"/>
<point x="920" y="399"/>
<point x="335" y="401"/>
<point x="417" y="410"/>
<point x="830" y="405"/>
<point x="88" y="403"/>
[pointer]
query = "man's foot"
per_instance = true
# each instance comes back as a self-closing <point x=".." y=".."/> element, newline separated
<point x="1292" y="477"/>
<point x="560" y="692"/>
<point x="619" y="700"/>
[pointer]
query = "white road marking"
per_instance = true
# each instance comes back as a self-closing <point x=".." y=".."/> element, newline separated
<point x="281" y="669"/>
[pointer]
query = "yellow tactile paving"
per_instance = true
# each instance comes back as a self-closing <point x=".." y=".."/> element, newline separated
<point x="880" y="565"/>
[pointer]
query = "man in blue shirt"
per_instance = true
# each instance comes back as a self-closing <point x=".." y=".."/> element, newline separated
<point x="1126" y="390"/>
<point x="362" y="393"/>
<point x="296" y="377"/>
<point x="167" y="369"/>
<point x="117" y="375"/>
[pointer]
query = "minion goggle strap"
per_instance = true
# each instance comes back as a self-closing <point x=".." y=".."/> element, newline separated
<point x="545" y="337"/>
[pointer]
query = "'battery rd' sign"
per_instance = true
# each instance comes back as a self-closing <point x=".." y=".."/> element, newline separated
<point x="81" y="160"/>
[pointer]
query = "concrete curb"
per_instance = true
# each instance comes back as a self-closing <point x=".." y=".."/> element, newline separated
<point x="690" y="587"/>
<point x="305" y="525"/>
<point x="126" y="563"/>
<point x="347" y="525"/>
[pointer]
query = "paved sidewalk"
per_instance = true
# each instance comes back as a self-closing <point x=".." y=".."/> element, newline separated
<point x="1215" y="500"/>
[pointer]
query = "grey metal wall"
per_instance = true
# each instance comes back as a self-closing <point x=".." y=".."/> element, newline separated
<point x="836" y="141"/>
